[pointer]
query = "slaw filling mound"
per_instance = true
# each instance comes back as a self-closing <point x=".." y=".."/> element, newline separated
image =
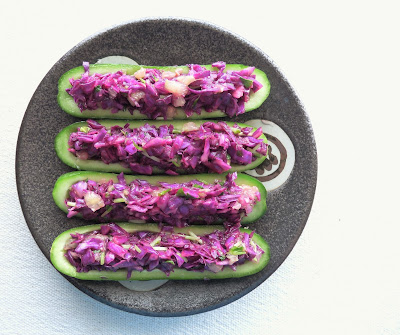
<point x="157" y="93"/>
<point x="210" y="147"/>
<point x="112" y="248"/>
<point x="176" y="204"/>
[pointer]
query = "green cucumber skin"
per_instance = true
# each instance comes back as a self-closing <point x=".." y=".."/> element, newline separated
<point x="62" y="264"/>
<point x="64" y="182"/>
<point x="69" y="106"/>
<point x="68" y="158"/>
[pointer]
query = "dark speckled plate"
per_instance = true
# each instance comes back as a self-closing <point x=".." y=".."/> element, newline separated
<point x="167" y="42"/>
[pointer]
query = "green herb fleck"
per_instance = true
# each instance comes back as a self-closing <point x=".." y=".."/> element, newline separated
<point x="155" y="241"/>
<point x="184" y="258"/>
<point x="195" y="103"/>
<point x="160" y="248"/>
<point x="237" y="250"/>
<point x="191" y="238"/>
<point x="193" y="234"/>
<point x="177" y="162"/>
<point x="84" y="129"/>
<point x="181" y="193"/>
<point x="254" y="151"/>
<point x="246" y="82"/>
<point x="138" y="148"/>
<point x="236" y="130"/>
<point x="164" y="192"/>
<point x="119" y="200"/>
<point x="108" y="210"/>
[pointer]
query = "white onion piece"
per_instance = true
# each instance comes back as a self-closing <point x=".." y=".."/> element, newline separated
<point x="116" y="60"/>
<point x="168" y="75"/>
<point x="214" y="267"/>
<point x="170" y="113"/>
<point x="93" y="201"/>
<point x="143" y="286"/>
<point x="178" y="101"/>
<point x="139" y="74"/>
<point x="178" y="71"/>
<point x="189" y="126"/>
<point x="176" y="88"/>
<point x="186" y="80"/>
<point x="135" y="97"/>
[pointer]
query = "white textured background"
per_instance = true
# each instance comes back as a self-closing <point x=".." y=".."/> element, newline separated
<point x="343" y="276"/>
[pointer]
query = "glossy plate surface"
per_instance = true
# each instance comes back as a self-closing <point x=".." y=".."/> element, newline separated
<point x="167" y="42"/>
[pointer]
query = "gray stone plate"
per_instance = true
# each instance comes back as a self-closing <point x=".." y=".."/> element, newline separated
<point x="166" y="42"/>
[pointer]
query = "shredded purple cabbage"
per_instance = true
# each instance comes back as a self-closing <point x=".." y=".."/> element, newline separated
<point x="156" y="93"/>
<point x="173" y="204"/>
<point x="210" y="147"/>
<point x="112" y="248"/>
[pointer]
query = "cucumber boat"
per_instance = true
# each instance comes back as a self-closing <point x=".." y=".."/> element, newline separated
<point x="168" y="92"/>
<point x="124" y="149"/>
<point x="175" y="200"/>
<point x="150" y="257"/>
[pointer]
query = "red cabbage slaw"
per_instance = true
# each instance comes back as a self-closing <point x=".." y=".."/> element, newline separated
<point x="112" y="248"/>
<point x="178" y="204"/>
<point x="156" y="93"/>
<point x="210" y="147"/>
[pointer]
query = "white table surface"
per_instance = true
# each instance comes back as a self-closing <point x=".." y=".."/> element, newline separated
<point x="343" y="275"/>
